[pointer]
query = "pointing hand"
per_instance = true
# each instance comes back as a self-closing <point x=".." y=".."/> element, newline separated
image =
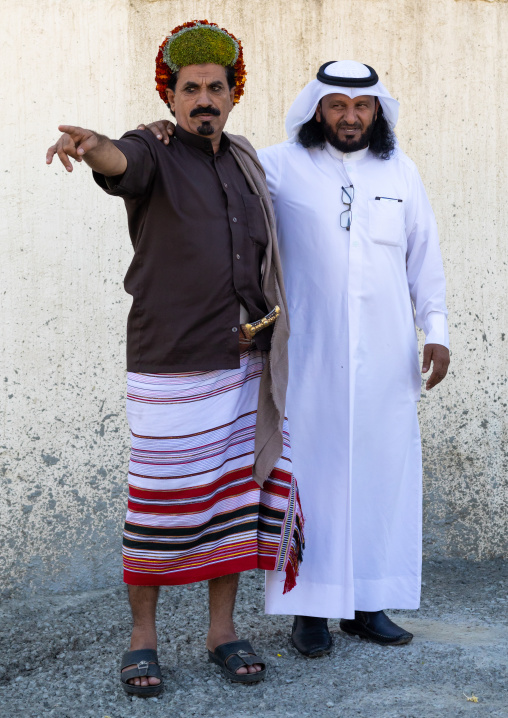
<point x="75" y="142"/>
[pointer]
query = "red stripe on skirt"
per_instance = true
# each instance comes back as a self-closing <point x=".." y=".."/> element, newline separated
<point x="191" y="575"/>
<point x="195" y="491"/>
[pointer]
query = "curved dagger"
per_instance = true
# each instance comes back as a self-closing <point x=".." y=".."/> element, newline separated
<point x="250" y="330"/>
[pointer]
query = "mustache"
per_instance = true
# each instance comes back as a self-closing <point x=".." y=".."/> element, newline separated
<point x="204" y="111"/>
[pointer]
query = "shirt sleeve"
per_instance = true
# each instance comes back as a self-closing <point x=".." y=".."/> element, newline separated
<point x="269" y="158"/>
<point x="141" y="164"/>
<point x="424" y="264"/>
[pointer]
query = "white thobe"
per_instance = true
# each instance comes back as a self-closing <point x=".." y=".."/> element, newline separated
<point x="354" y="373"/>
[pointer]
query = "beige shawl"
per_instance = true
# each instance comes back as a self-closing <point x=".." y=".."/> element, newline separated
<point x="272" y="391"/>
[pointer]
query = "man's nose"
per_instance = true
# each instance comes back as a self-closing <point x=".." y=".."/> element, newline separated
<point x="350" y="116"/>
<point x="203" y="98"/>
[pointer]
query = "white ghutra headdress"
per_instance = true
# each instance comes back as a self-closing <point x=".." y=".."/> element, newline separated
<point x="346" y="77"/>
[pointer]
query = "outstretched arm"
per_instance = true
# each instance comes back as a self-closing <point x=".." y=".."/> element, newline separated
<point x="97" y="150"/>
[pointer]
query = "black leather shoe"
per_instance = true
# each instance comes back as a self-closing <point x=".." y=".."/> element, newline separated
<point x="311" y="636"/>
<point x="376" y="627"/>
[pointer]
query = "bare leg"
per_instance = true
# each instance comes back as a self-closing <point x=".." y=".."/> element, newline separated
<point x="222" y="592"/>
<point x="143" y="600"/>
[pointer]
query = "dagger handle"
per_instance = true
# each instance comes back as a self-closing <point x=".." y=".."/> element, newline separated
<point x="251" y="329"/>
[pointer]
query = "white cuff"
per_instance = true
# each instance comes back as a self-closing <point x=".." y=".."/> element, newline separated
<point x="436" y="327"/>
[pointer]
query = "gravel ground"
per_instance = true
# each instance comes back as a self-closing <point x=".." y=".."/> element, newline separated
<point x="59" y="656"/>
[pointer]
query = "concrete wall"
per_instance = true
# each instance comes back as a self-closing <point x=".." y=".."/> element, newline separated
<point x="65" y="249"/>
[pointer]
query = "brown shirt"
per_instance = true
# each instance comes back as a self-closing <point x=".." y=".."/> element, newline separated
<point x="199" y="239"/>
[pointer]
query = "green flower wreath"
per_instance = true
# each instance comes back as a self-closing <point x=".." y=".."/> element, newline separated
<point x="198" y="45"/>
<point x="208" y="43"/>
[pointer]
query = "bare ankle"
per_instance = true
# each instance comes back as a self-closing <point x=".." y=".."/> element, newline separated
<point x="219" y="635"/>
<point x="143" y="637"/>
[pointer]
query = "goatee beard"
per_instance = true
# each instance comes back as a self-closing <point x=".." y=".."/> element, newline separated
<point x="331" y="136"/>
<point x="206" y="129"/>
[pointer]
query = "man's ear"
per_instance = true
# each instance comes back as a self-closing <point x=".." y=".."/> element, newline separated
<point x="170" y="94"/>
<point x="318" y="113"/>
<point x="232" y="96"/>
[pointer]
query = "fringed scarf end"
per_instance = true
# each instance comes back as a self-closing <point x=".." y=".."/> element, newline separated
<point x="297" y="547"/>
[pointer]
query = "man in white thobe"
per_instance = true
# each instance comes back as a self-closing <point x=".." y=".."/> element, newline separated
<point x="361" y="260"/>
<point x="362" y="264"/>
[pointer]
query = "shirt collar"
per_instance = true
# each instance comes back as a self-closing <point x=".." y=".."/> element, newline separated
<point x="200" y="142"/>
<point x="346" y="156"/>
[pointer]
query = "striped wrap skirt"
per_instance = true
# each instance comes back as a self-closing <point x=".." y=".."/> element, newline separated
<point x="194" y="511"/>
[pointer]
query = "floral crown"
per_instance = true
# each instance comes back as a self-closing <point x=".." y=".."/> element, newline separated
<point x="195" y="43"/>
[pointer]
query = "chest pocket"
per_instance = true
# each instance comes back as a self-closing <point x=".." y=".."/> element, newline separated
<point x="387" y="222"/>
<point x="255" y="219"/>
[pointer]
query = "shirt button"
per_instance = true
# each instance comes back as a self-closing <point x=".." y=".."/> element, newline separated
<point x="235" y="219"/>
<point x="226" y="185"/>
<point x="234" y="329"/>
<point x="238" y="256"/>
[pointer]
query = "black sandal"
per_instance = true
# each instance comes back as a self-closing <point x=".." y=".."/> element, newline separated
<point x="232" y="656"/>
<point x="146" y="665"/>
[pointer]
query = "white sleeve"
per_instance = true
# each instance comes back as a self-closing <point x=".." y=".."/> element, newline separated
<point x="425" y="274"/>
<point x="269" y="158"/>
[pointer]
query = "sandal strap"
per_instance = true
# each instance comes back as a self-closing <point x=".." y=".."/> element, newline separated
<point x="236" y="654"/>
<point x="143" y="655"/>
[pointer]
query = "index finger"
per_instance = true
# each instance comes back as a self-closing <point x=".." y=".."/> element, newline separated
<point x="68" y="128"/>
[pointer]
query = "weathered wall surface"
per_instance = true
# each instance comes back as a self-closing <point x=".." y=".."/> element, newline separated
<point x="65" y="249"/>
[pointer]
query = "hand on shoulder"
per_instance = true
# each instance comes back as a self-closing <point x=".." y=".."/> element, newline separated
<point x="162" y="129"/>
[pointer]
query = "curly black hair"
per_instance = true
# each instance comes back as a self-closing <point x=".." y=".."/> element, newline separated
<point x="381" y="143"/>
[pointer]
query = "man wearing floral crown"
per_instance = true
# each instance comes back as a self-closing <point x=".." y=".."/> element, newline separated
<point x="211" y="489"/>
<point x="362" y="265"/>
